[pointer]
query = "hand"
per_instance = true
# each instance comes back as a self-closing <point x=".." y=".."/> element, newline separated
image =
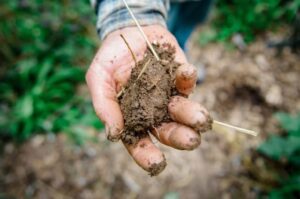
<point x="109" y="72"/>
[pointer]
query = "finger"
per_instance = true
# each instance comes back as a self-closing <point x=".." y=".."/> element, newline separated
<point x="102" y="90"/>
<point x="177" y="136"/>
<point x="189" y="113"/>
<point x="186" y="77"/>
<point x="147" y="155"/>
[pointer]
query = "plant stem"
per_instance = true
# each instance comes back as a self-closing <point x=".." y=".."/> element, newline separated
<point x="238" y="129"/>
<point x="141" y="30"/>
<point x="133" y="56"/>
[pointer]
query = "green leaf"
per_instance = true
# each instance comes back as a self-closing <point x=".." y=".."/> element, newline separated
<point x="286" y="191"/>
<point x="277" y="147"/>
<point x="171" y="195"/>
<point x="24" y="107"/>
<point x="45" y="68"/>
<point x="45" y="60"/>
<point x="66" y="73"/>
<point x="289" y="123"/>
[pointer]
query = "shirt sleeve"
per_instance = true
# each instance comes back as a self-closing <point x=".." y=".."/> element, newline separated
<point x="113" y="15"/>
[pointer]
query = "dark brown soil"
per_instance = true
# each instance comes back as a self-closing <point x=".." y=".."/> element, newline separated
<point x="144" y="102"/>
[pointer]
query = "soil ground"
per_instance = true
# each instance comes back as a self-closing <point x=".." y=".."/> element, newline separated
<point x="241" y="88"/>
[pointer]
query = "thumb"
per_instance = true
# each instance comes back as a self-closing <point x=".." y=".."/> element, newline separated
<point x="103" y="93"/>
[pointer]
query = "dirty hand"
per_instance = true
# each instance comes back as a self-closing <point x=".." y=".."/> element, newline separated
<point x="109" y="72"/>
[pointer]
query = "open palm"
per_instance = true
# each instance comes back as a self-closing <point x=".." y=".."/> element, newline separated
<point x="109" y="72"/>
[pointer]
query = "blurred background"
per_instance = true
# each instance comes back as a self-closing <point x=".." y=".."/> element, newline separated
<point x="53" y="146"/>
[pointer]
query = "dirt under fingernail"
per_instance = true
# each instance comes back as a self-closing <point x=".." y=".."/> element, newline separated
<point x="112" y="135"/>
<point x="157" y="168"/>
<point x="203" y="127"/>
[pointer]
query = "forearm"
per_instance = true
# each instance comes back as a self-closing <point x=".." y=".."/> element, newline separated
<point x="112" y="14"/>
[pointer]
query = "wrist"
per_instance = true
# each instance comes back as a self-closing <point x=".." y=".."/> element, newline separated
<point x="113" y="15"/>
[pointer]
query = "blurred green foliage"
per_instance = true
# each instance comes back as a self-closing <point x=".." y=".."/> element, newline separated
<point x="248" y="18"/>
<point x="171" y="195"/>
<point x="286" y="151"/>
<point x="46" y="47"/>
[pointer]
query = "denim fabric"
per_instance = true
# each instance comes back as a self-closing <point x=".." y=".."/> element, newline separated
<point x="184" y="17"/>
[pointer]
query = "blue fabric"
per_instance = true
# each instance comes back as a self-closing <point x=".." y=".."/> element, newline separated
<point x="113" y="15"/>
<point x="184" y="17"/>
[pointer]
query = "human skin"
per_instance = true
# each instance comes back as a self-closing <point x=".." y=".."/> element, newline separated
<point x="109" y="72"/>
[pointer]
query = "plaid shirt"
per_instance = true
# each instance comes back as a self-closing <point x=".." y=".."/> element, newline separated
<point x="113" y="15"/>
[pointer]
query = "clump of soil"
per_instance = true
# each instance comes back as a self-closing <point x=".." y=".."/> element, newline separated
<point x="144" y="102"/>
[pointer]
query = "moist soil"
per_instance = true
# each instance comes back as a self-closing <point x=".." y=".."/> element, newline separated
<point x="144" y="100"/>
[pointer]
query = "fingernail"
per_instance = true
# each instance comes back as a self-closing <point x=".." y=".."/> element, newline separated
<point x="194" y="143"/>
<point x="200" y="117"/>
<point x="157" y="168"/>
<point x="187" y="72"/>
<point x="113" y="134"/>
<point x="204" y="123"/>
